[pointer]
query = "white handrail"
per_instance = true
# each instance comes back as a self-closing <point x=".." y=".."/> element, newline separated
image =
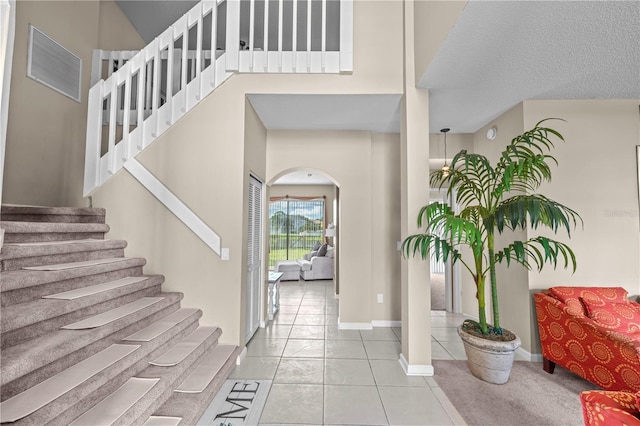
<point x="137" y="102"/>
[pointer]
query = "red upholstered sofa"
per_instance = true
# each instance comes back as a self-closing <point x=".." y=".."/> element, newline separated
<point x="593" y="332"/>
<point x="610" y="408"/>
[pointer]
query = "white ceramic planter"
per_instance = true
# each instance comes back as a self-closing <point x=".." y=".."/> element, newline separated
<point x="489" y="360"/>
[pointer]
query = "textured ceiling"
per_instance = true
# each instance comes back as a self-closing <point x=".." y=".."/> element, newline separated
<point x="500" y="53"/>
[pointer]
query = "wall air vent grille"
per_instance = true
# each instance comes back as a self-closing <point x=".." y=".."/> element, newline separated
<point x="52" y="65"/>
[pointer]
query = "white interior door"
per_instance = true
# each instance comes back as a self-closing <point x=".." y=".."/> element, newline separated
<point x="254" y="258"/>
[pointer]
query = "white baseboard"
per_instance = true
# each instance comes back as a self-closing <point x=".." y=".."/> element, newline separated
<point x="386" y="323"/>
<point x="354" y="325"/>
<point x="415" y="369"/>
<point x="241" y="356"/>
<point x="527" y="356"/>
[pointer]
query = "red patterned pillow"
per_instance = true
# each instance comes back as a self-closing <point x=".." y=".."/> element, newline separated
<point x="571" y="296"/>
<point x="621" y="317"/>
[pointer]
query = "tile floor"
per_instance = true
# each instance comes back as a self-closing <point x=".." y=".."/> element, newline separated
<point x="323" y="375"/>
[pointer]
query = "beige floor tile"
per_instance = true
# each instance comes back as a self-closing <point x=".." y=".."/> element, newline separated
<point x="313" y="300"/>
<point x="348" y="372"/>
<point x="290" y="300"/>
<point x="456" y="349"/>
<point x="445" y="334"/>
<point x="266" y="347"/>
<point x="353" y="349"/>
<point x="288" y="309"/>
<point x="276" y="331"/>
<point x="353" y="405"/>
<point x="379" y="333"/>
<point x="304" y="349"/>
<point x="258" y="368"/>
<point x="282" y="318"/>
<point x="413" y="406"/>
<point x="439" y="352"/>
<point x="312" y="310"/>
<point x="300" y="371"/>
<point x="307" y="332"/>
<point x="382" y="350"/>
<point x="293" y="404"/>
<point x="398" y="332"/>
<point x="451" y="411"/>
<point x="331" y="320"/>
<point x="334" y="333"/>
<point x="309" y="320"/>
<point x="388" y="372"/>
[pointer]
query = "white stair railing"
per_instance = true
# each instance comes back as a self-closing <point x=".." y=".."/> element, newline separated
<point x="299" y="36"/>
<point x="150" y="90"/>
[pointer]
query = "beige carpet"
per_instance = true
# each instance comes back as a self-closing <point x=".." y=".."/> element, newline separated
<point x="530" y="397"/>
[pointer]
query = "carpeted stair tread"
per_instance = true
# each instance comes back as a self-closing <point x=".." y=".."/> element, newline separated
<point x="47" y="391"/>
<point x="65" y="306"/>
<point x="182" y="349"/>
<point x="52" y="243"/>
<point x="73" y="265"/>
<point x="191" y="406"/>
<point x="14" y="280"/>
<point x="52" y="214"/>
<point x="157" y="328"/>
<point x="206" y="370"/>
<point x="114" y="314"/>
<point x="15" y="257"/>
<point x="52" y="228"/>
<point x="115" y="405"/>
<point x="162" y="421"/>
<point x="34" y="354"/>
<point x="94" y="289"/>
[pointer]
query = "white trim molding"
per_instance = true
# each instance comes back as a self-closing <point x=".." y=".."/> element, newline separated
<point x="173" y="203"/>
<point x="354" y="325"/>
<point x="386" y="323"/>
<point x="415" y="369"/>
<point x="241" y="356"/>
<point x="527" y="356"/>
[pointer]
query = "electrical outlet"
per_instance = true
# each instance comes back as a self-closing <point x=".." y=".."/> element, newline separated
<point x="380" y="298"/>
<point x="224" y="254"/>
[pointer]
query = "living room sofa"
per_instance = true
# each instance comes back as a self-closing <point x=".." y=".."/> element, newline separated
<point x="593" y="332"/>
<point x="317" y="264"/>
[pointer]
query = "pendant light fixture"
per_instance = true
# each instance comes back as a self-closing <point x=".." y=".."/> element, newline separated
<point x="445" y="169"/>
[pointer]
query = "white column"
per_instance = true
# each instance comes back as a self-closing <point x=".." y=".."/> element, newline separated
<point x="415" y="294"/>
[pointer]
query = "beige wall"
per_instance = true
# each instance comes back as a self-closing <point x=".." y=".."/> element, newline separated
<point x="46" y="133"/>
<point x="433" y="22"/>
<point x="205" y="158"/>
<point x="346" y="157"/>
<point x="385" y="227"/>
<point x="597" y="177"/>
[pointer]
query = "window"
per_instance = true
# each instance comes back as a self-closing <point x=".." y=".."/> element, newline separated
<point x="295" y="225"/>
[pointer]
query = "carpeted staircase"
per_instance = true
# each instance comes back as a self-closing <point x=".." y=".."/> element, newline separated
<point x="87" y="338"/>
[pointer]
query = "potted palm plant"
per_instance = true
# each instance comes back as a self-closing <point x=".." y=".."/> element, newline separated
<point x="491" y="200"/>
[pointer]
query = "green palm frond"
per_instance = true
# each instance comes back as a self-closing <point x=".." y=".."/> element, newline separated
<point x="534" y="210"/>
<point x="537" y="251"/>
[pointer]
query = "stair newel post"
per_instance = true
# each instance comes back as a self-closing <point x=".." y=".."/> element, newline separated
<point x="184" y="67"/>
<point x="346" y="36"/>
<point x="199" y="53"/>
<point x="111" y="87"/>
<point x="214" y="43"/>
<point x="94" y="126"/>
<point x="155" y="86"/>
<point x="323" y="41"/>
<point x="126" y="111"/>
<point x="232" y="48"/>
<point x="139" y="62"/>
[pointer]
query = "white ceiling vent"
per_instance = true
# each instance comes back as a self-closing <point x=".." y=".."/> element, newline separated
<point x="53" y="65"/>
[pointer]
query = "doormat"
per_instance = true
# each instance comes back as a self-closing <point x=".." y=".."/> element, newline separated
<point x="238" y="402"/>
